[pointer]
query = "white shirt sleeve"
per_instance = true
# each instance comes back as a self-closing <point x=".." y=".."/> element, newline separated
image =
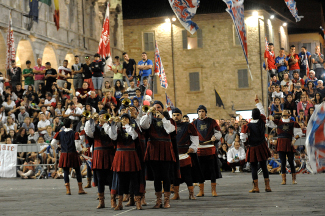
<point x="106" y="127"/>
<point x="261" y="108"/>
<point x="217" y="134"/>
<point x="297" y="131"/>
<point x="242" y="154"/>
<point x="77" y="93"/>
<point x="229" y="156"/>
<point x="195" y="143"/>
<point x="130" y="130"/>
<point x="271" y="124"/>
<point x="145" y="121"/>
<point x="55" y="143"/>
<point x="243" y="137"/>
<point x="168" y="126"/>
<point x="112" y="131"/>
<point x="77" y="143"/>
<point x="89" y="129"/>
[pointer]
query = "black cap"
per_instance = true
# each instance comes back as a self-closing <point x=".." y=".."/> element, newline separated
<point x="96" y="55"/>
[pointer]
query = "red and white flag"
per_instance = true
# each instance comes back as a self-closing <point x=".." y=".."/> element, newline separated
<point x="159" y="69"/>
<point x="11" y="53"/>
<point x="104" y="48"/>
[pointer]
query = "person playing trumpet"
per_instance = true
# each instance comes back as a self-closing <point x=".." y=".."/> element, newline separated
<point x="103" y="154"/>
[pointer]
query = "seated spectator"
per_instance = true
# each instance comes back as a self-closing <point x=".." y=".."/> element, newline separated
<point x="278" y="93"/>
<point x="32" y="135"/>
<point x="8" y="140"/>
<point x="318" y="99"/>
<point x="29" y="92"/>
<point x="100" y="106"/>
<point x="132" y="89"/>
<point x="22" y="115"/>
<point x="19" y="92"/>
<point x="108" y="98"/>
<point x="124" y="96"/>
<point x="270" y="92"/>
<point x="286" y="82"/>
<point x="286" y="92"/>
<point x="274" y="81"/>
<point x="107" y="87"/>
<point x="74" y="114"/>
<point x="296" y="79"/>
<point x="49" y="100"/>
<point x="301" y="118"/>
<point x="304" y="104"/>
<point x="76" y="103"/>
<point x="289" y="104"/>
<point x="45" y="112"/>
<point x="59" y="110"/>
<point x="274" y="165"/>
<point x="41" y="91"/>
<point x="10" y="125"/>
<point x="21" y="136"/>
<point x="310" y="90"/>
<point x="222" y="155"/>
<point x="144" y="86"/>
<point x="93" y="100"/>
<point x="3" y="134"/>
<point x="320" y="88"/>
<point x="57" y="124"/>
<point x="48" y="136"/>
<point x="9" y="105"/>
<point x="297" y="93"/>
<point x="11" y="135"/>
<point x="310" y="113"/>
<point x="42" y="124"/>
<point x="230" y="136"/>
<point x="224" y="131"/>
<point x="138" y="96"/>
<point x="277" y="107"/>
<point x="136" y="103"/>
<point x="303" y="127"/>
<point x="30" y="171"/>
<point x="118" y="90"/>
<point x="312" y="79"/>
<point x="83" y="93"/>
<point x="236" y="157"/>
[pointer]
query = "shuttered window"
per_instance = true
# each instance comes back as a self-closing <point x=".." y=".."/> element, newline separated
<point x="155" y="84"/>
<point x="192" y="41"/>
<point x="194" y="81"/>
<point x="184" y="36"/>
<point x="148" y="40"/>
<point x="243" y="78"/>
<point x="199" y="38"/>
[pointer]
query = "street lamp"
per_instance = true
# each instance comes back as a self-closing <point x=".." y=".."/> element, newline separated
<point x="284" y="24"/>
<point x="272" y="16"/>
<point x="173" y="19"/>
<point x="167" y="20"/>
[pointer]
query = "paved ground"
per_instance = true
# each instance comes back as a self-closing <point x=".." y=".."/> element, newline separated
<point x="47" y="197"/>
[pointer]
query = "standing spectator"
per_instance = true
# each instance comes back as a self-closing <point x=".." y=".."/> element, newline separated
<point x="28" y="75"/>
<point x="269" y="58"/>
<point x="14" y="74"/>
<point x="236" y="157"/>
<point x="281" y="63"/>
<point x="39" y="71"/>
<point x="317" y="59"/>
<point x="304" y="57"/>
<point x="129" y="68"/>
<point x="320" y="88"/>
<point x="118" y="70"/>
<point x="50" y="76"/>
<point x="64" y="74"/>
<point x="77" y="72"/>
<point x="22" y="115"/>
<point x="312" y="78"/>
<point x="97" y="68"/>
<point x="293" y="61"/>
<point x="304" y="104"/>
<point x="145" y="67"/>
<point x="86" y="72"/>
<point x="131" y="89"/>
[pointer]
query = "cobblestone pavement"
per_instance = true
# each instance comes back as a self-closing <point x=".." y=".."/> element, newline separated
<point x="47" y="197"/>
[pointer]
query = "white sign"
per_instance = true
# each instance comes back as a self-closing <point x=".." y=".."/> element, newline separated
<point x="8" y="160"/>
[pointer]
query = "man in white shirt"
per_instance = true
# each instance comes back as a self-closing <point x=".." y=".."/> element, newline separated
<point x="73" y="113"/>
<point x="63" y="74"/>
<point x="236" y="156"/>
<point x="42" y="124"/>
<point x="278" y="93"/>
<point x="131" y="90"/>
<point x="49" y="99"/>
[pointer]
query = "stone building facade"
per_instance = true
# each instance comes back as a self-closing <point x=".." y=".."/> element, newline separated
<point x="208" y="60"/>
<point x="79" y="33"/>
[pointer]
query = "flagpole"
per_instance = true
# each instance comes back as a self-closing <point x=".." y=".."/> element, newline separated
<point x="173" y="61"/>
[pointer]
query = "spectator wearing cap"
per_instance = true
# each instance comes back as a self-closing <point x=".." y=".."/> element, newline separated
<point x="14" y="74"/>
<point x="269" y="58"/>
<point x="129" y="68"/>
<point x="312" y="79"/>
<point x="28" y="75"/>
<point x="145" y="67"/>
<point x="281" y="63"/>
<point x="93" y="100"/>
<point x="64" y="74"/>
<point x="22" y="115"/>
<point x="318" y="59"/>
<point x="50" y="76"/>
<point x="39" y="71"/>
<point x="293" y="61"/>
<point x="86" y="72"/>
<point x="97" y="69"/>
<point x="118" y="70"/>
<point x="230" y="136"/>
<point x="304" y="57"/>
<point x="77" y="71"/>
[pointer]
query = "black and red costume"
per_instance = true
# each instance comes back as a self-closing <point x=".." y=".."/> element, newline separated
<point x="82" y="92"/>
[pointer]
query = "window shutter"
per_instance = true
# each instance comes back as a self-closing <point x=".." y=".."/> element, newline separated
<point x="155" y="83"/>
<point x="243" y="78"/>
<point x="150" y="41"/>
<point x="145" y="40"/>
<point x="184" y="35"/>
<point x="194" y="81"/>
<point x="199" y="38"/>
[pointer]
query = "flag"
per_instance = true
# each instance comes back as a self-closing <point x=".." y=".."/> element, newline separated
<point x="159" y="69"/>
<point x="87" y="159"/>
<point x="169" y="102"/>
<point x="236" y="11"/>
<point x="33" y="9"/>
<point x="11" y="53"/>
<point x="323" y="31"/>
<point x="315" y="139"/>
<point x="185" y="10"/>
<point x="56" y="14"/>
<point x="219" y="102"/>
<point x="104" y="48"/>
<point x="48" y="2"/>
<point x="291" y="4"/>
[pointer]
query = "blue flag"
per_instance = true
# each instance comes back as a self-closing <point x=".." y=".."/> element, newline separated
<point x="33" y="9"/>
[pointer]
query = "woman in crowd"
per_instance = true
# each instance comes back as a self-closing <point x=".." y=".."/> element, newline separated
<point x="317" y="99"/>
<point x="107" y="87"/>
<point x="289" y="104"/>
<point x="59" y="110"/>
<point x="304" y="104"/>
<point x="21" y="136"/>
<point x="3" y="134"/>
<point x="10" y="125"/>
<point x="81" y="124"/>
<point x="286" y="81"/>
<point x="9" y="105"/>
<point x="118" y="90"/>
<point x="310" y="90"/>
<point x="11" y="135"/>
<point x="29" y="92"/>
<point x="231" y="135"/>
<point x="222" y="154"/>
<point x="41" y="91"/>
<point x="66" y="92"/>
<point x="277" y="107"/>
<point x="310" y="112"/>
<point x="27" y="124"/>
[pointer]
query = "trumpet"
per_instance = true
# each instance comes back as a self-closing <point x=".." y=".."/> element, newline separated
<point x="115" y="119"/>
<point x="126" y="102"/>
<point x="145" y="108"/>
<point x="107" y="116"/>
<point x="86" y="113"/>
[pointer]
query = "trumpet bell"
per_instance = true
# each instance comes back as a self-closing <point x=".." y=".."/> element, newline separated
<point x="145" y="108"/>
<point x="86" y="113"/>
<point x="126" y="102"/>
<point x="107" y="116"/>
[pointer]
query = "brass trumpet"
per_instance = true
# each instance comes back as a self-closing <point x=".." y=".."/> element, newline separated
<point x="126" y="102"/>
<point x="86" y="113"/>
<point x="115" y="119"/>
<point x="107" y="116"/>
<point x="145" y="108"/>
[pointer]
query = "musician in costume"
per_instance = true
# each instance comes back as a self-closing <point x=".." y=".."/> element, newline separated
<point x="103" y="154"/>
<point x="187" y="143"/>
<point x="69" y="157"/>
<point x="126" y="162"/>
<point x="253" y="135"/>
<point x="160" y="152"/>
<point x="288" y="132"/>
<point x="208" y="131"/>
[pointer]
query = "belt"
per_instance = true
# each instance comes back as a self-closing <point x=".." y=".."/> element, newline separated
<point x="125" y="149"/>
<point x="183" y="146"/>
<point x="159" y="139"/>
<point x="104" y="148"/>
<point x="288" y="136"/>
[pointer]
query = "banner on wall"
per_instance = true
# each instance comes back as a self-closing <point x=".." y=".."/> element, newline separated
<point x="8" y="160"/>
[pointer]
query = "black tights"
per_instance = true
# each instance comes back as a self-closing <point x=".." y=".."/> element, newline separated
<point x="124" y="181"/>
<point x="254" y="167"/>
<point x="104" y="177"/>
<point x="283" y="159"/>
<point x="88" y="171"/>
<point x="207" y="164"/>
<point x="186" y="176"/>
<point x="66" y="174"/>
<point x="161" y="172"/>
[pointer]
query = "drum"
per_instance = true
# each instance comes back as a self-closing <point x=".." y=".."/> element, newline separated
<point x="206" y="150"/>
<point x="184" y="160"/>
